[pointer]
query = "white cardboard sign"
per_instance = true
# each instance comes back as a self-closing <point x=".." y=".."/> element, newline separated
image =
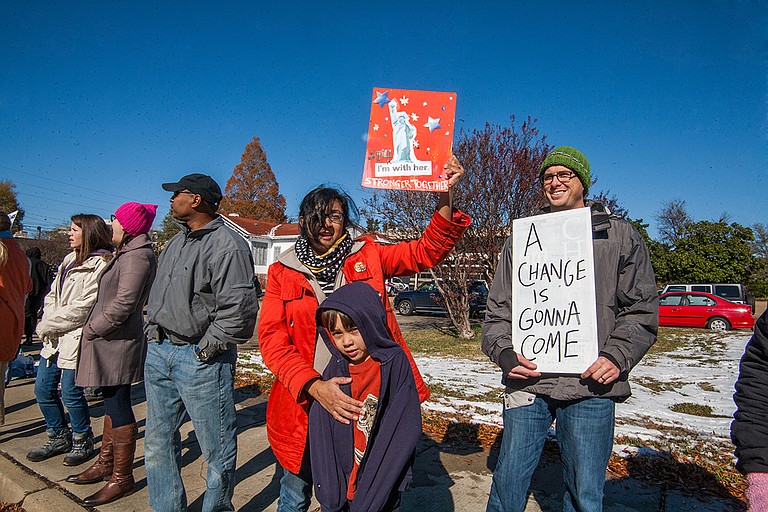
<point x="553" y="299"/>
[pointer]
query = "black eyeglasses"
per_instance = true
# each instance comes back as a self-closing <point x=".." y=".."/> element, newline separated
<point x="112" y="218"/>
<point x="562" y="177"/>
<point x="175" y="194"/>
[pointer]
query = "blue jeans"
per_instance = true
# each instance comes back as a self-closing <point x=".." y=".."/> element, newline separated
<point x="176" y="382"/>
<point x="295" y="491"/>
<point x="584" y="432"/>
<point x="47" y="394"/>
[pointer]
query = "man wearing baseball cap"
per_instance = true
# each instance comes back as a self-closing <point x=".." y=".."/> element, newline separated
<point x="201" y="305"/>
<point x="627" y="324"/>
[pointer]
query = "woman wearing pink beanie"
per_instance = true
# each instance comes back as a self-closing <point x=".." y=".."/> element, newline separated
<point x="113" y="349"/>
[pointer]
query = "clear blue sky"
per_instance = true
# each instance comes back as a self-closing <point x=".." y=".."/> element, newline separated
<point x="101" y="102"/>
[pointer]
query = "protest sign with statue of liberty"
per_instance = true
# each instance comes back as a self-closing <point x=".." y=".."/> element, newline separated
<point x="410" y="134"/>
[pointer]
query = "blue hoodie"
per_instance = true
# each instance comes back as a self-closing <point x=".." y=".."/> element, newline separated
<point x="389" y="454"/>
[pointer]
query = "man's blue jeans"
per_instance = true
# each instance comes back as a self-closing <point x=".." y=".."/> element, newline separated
<point x="584" y="432"/>
<point x="47" y="394"/>
<point x="176" y="382"/>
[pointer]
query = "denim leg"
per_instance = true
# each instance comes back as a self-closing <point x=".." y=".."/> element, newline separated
<point x="295" y="492"/>
<point x="47" y="394"/>
<point x="585" y="434"/>
<point x="207" y="390"/>
<point x="525" y="430"/>
<point x="162" y="440"/>
<point x="75" y="402"/>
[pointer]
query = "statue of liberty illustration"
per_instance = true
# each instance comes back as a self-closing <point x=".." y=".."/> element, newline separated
<point x="403" y="135"/>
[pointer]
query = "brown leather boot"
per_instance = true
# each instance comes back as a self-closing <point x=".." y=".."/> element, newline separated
<point x="121" y="482"/>
<point x="102" y="468"/>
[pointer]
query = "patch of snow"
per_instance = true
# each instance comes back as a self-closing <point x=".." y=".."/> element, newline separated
<point x="702" y="371"/>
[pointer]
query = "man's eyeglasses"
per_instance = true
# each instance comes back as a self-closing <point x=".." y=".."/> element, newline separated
<point x="176" y="194"/>
<point x="562" y="177"/>
<point x="112" y="218"/>
<point x="335" y="217"/>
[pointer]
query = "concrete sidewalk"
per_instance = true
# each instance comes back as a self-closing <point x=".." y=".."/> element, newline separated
<point x="444" y="479"/>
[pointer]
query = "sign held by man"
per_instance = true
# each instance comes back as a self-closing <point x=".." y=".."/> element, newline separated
<point x="554" y="312"/>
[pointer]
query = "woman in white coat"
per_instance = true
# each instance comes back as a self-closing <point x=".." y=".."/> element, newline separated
<point x="72" y="295"/>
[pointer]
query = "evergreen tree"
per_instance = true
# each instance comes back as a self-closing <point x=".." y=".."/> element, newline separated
<point x="252" y="190"/>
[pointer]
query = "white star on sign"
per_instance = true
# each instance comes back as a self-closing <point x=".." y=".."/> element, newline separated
<point x="404" y="100"/>
<point x="414" y="117"/>
<point x="433" y="124"/>
<point x="376" y="127"/>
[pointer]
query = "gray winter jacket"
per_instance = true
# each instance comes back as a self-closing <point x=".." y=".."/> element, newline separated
<point x="203" y="293"/>
<point x="627" y="311"/>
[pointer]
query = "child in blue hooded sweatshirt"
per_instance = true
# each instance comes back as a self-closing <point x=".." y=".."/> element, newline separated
<point x="364" y="465"/>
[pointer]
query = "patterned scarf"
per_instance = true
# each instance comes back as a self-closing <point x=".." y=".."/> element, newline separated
<point x="327" y="266"/>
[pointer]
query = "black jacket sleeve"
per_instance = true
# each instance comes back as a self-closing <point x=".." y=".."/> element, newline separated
<point x="749" y="430"/>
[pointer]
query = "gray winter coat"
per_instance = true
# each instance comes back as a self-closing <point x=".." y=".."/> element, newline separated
<point x="627" y="311"/>
<point x="113" y="347"/>
<point x="204" y="292"/>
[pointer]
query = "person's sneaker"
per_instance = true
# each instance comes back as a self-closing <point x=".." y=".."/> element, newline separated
<point x="82" y="449"/>
<point x="93" y="394"/>
<point x="58" y="442"/>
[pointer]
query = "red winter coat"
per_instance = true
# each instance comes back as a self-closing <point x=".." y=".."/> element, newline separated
<point x="15" y="284"/>
<point x="287" y="329"/>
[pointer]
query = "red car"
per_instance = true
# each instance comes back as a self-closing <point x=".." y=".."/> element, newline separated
<point x="698" y="309"/>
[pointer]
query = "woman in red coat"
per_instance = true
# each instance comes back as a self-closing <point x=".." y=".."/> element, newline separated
<point x="323" y="259"/>
<point x="15" y="284"/>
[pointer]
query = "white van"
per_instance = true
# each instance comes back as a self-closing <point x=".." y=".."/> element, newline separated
<point x="728" y="291"/>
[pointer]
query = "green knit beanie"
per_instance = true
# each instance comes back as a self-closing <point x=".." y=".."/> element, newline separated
<point x="571" y="158"/>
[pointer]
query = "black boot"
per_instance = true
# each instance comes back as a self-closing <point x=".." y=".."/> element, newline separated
<point x="82" y="449"/>
<point x="58" y="442"/>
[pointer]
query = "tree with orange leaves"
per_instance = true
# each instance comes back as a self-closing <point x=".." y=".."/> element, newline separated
<point x="252" y="190"/>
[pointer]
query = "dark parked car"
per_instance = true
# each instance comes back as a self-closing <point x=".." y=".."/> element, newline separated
<point x="698" y="309"/>
<point x="426" y="299"/>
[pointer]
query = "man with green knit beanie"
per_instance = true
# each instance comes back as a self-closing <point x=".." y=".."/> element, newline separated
<point x="570" y="158"/>
<point x="627" y="324"/>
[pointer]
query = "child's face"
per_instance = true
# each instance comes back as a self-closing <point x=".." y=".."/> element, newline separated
<point x="349" y="342"/>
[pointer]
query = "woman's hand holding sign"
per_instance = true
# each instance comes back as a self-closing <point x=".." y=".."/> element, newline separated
<point x="453" y="171"/>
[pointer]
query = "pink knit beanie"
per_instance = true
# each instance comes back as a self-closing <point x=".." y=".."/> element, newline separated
<point x="136" y="218"/>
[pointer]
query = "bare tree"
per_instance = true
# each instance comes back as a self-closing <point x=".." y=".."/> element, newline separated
<point x="500" y="185"/>
<point x="760" y="244"/>
<point x="674" y="222"/>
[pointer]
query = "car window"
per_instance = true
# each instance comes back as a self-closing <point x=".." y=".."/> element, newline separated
<point x="670" y="300"/>
<point x="478" y="287"/>
<point x="676" y="288"/>
<point x="701" y="288"/>
<point x="427" y="287"/>
<point x="700" y="300"/>
<point x="728" y="292"/>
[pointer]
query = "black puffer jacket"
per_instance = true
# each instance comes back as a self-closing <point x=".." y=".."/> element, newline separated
<point x="749" y="430"/>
